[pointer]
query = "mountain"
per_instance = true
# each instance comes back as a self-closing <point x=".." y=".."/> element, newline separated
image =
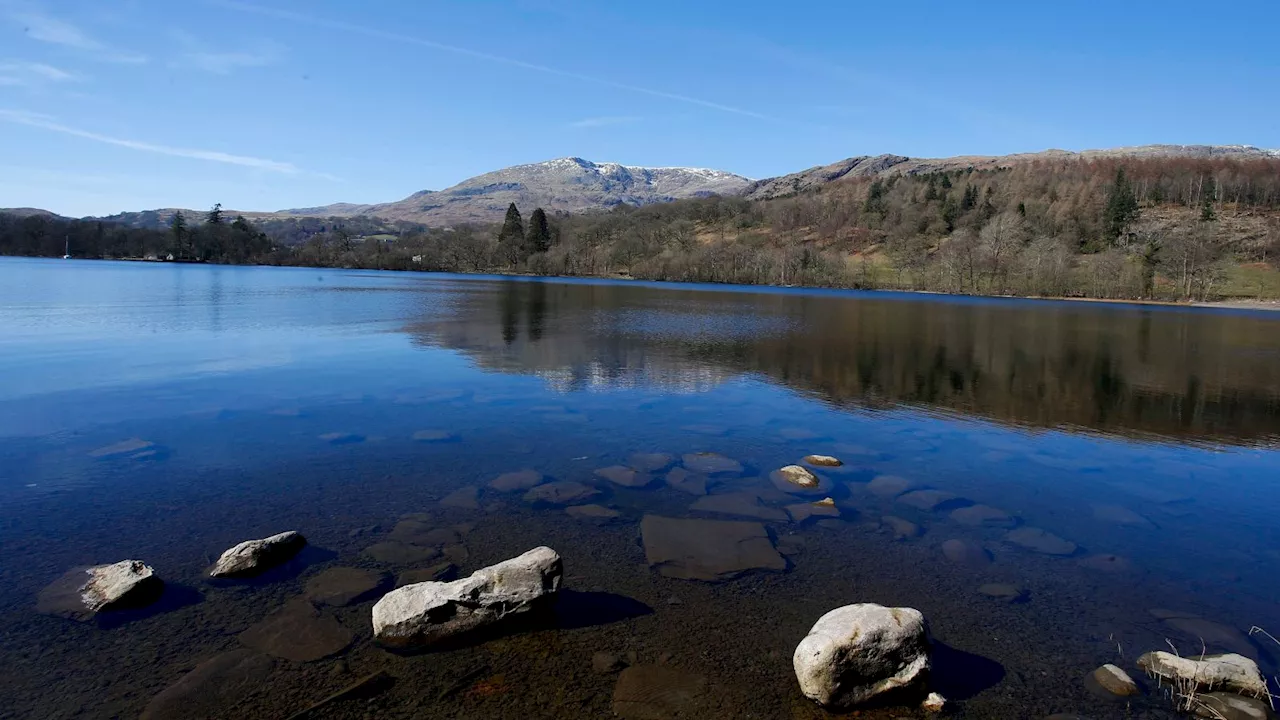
<point x="570" y="185"/>
<point x="881" y="165"/>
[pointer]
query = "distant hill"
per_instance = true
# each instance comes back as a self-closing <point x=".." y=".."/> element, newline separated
<point x="570" y="185"/>
<point x="23" y="212"/>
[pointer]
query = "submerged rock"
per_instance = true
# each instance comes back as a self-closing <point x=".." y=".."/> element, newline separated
<point x="624" y="476"/>
<point x="889" y="486"/>
<point x="519" y="480"/>
<point x="1231" y="672"/>
<point x="1228" y="706"/>
<point x="597" y="514"/>
<point x="651" y="462"/>
<point x="709" y="463"/>
<point x="561" y="492"/>
<point x="707" y="549"/>
<point x="342" y="438"/>
<point x="434" y="436"/>
<point x="464" y="498"/>
<point x="1212" y="634"/>
<point x="801" y="512"/>
<point x="1120" y="515"/>
<point x="124" y="447"/>
<point x="1107" y="563"/>
<point x="1041" y="541"/>
<point x="84" y="592"/>
<point x="901" y="529"/>
<point x="1114" y="681"/>
<point x="298" y="632"/>
<point x="255" y="556"/>
<point x="343" y="586"/>
<point x="398" y="553"/>
<point x="428" y="612"/>
<point x="603" y="663"/>
<point x="741" y="504"/>
<point x="212" y="689"/>
<point x="966" y="552"/>
<point x="982" y="516"/>
<point x="1005" y="592"/>
<point x="685" y="481"/>
<point x="655" y="692"/>
<point x="822" y="461"/>
<point x="929" y="500"/>
<point x="854" y="653"/>
<point x="441" y="572"/>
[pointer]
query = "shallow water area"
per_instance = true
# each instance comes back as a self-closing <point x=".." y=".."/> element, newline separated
<point x="1055" y="486"/>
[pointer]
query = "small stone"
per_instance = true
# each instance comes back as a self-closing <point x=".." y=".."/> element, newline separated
<point x="343" y="586"/>
<point x="443" y="572"/>
<point x="298" y="632"/>
<point x="398" y="553"/>
<point x="603" y="663"/>
<point x="561" y="492"/>
<point x="797" y="479"/>
<point x="84" y="592"/>
<point x="822" y="461"/>
<point x="982" y="516"/>
<point x="741" y="504"/>
<point x="255" y="556"/>
<point x="902" y="529"/>
<point x="434" y="436"/>
<point x="1004" y="592"/>
<point x="934" y="703"/>
<point x="595" y="514"/>
<point x="801" y="512"/>
<point x="1041" y="541"/>
<point x="651" y="462"/>
<point x="519" y="480"/>
<point x="464" y="498"/>
<point x="708" y="463"/>
<point x="1115" y="681"/>
<point x="928" y="500"/>
<point x="966" y="552"/>
<point x="889" y="486"/>
<point x="624" y="476"/>
<point x="685" y="481"/>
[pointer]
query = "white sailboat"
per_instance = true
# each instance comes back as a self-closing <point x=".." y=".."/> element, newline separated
<point x="66" y="252"/>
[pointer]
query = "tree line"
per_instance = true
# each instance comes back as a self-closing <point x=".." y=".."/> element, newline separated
<point x="1162" y="228"/>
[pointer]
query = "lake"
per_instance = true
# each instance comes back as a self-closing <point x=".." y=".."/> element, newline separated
<point x="165" y="413"/>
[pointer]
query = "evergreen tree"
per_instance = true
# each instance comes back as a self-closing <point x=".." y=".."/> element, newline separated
<point x="178" y="230"/>
<point x="875" y="198"/>
<point x="1207" y="213"/>
<point x="1122" y="207"/>
<point x="539" y="238"/>
<point x="969" y="199"/>
<point x="511" y="236"/>
<point x="215" y="215"/>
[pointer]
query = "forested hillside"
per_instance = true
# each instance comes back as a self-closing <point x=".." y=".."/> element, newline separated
<point x="1159" y="227"/>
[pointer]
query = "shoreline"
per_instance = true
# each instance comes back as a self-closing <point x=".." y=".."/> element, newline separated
<point x="1237" y="303"/>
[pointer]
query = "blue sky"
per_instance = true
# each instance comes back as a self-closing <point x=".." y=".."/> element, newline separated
<point x="110" y="105"/>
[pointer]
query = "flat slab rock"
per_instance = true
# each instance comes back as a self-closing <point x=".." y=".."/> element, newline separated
<point x="428" y="612"/>
<point x="124" y="447"/>
<point x="255" y="556"/>
<point x="1213" y="634"/>
<point x="464" y="498"/>
<point x="561" y="492"/>
<point x="929" y="500"/>
<point x="596" y="514"/>
<point x="81" y="593"/>
<point x="1041" y="541"/>
<point x="399" y="553"/>
<point x="889" y="486"/>
<point x="982" y="516"/>
<point x="212" y="689"/>
<point x="657" y="692"/>
<point x="651" y="462"/>
<point x="685" y="481"/>
<point x="710" y="550"/>
<point x="625" y="476"/>
<point x="709" y="463"/>
<point x="518" y="480"/>
<point x="341" y="586"/>
<point x="298" y="632"/>
<point x="966" y="552"/>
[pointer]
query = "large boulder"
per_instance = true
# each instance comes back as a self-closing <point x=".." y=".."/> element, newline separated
<point x="83" y="592"/>
<point x="1236" y="673"/>
<point x="857" y="652"/>
<point x="254" y="556"/>
<point x="428" y="612"/>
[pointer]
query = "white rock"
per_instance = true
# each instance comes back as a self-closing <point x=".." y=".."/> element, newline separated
<point x="1236" y="673"/>
<point x="83" y="592"/>
<point x="427" y="612"/>
<point x="934" y="703"/>
<point x="857" y="652"/>
<point x="252" y="556"/>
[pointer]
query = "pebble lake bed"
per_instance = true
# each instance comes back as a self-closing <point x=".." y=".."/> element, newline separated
<point x="1059" y="493"/>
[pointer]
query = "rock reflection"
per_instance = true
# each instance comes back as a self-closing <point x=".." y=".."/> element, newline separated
<point x="1191" y="375"/>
